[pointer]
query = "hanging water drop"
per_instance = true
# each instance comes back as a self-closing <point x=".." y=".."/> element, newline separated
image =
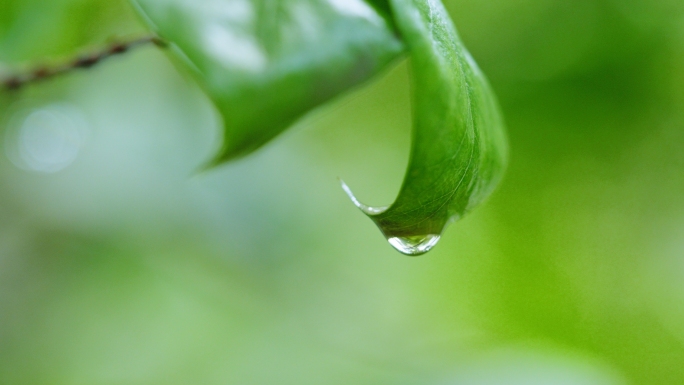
<point x="414" y="245"/>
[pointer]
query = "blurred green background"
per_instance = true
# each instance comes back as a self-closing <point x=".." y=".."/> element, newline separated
<point x="119" y="264"/>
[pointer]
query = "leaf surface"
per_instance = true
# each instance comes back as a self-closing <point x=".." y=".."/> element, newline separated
<point x="459" y="148"/>
<point x="265" y="63"/>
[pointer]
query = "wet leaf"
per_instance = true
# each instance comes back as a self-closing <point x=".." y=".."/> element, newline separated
<point x="459" y="147"/>
<point x="265" y="63"/>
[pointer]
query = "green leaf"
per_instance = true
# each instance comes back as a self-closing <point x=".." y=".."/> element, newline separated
<point x="459" y="148"/>
<point x="265" y="63"/>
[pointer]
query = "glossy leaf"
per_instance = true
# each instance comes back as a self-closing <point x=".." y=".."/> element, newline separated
<point x="458" y="148"/>
<point x="265" y="63"/>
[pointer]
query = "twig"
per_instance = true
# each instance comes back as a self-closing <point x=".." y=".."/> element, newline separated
<point x="18" y="81"/>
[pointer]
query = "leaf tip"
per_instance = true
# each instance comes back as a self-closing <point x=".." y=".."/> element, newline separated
<point x="368" y="210"/>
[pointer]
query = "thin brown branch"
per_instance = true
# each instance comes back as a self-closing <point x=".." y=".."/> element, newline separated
<point x="40" y="73"/>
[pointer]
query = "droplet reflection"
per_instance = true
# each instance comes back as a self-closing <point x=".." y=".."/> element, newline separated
<point x="414" y="245"/>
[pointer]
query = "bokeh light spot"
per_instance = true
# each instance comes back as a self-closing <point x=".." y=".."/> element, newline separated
<point x="46" y="139"/>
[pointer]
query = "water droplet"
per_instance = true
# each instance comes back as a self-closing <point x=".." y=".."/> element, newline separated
<point x="414" y="245"/>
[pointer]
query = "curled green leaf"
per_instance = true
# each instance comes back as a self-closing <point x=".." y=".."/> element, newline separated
<point x="265" y="63"/>
<point x="459" y="148"/>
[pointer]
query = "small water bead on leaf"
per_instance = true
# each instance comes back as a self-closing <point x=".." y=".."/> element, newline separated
<point x="414" y="245"/>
